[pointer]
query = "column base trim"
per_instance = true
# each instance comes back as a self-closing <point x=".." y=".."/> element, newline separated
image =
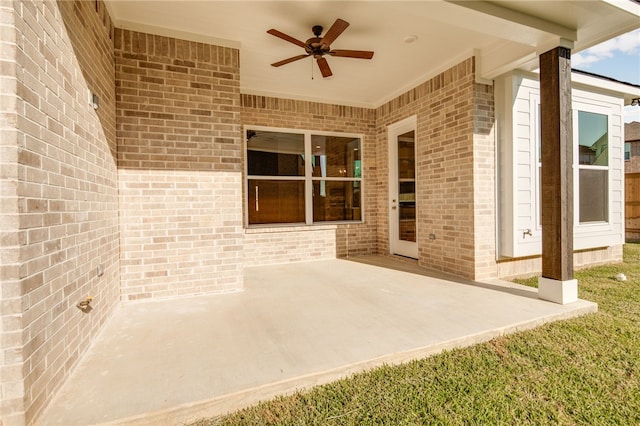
<point x="561" y="292"/>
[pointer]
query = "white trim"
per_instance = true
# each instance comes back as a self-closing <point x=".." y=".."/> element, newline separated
<point x="517" y="97"/>
<point x="518" y="18"/>
<point x="554" y="42"/>
<point x="308" y="177"/>
<point x="628" y="6"/>
<point x="562" y="292"/>
<point x="177" y="34"/>
<point x="586" y="233"/>
<point x="588" y="83"/>
<point x="397" y="246"/>
<point x="537" y="160"/>
<point x="283" y="227"/>
<point x="605" y="86"/>
<point x="308" y="183"/>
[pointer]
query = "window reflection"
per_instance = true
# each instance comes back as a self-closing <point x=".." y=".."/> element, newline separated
<point x="335" y="156"/>
<point x="287" y="170"/>
<point x="593" y="170"/>
<point x="593" y="139"/>
<point x="275" y="154"/>
<point x="336" y="201"/>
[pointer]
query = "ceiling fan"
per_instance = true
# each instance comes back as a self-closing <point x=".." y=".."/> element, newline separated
<point x="318" y="47"/>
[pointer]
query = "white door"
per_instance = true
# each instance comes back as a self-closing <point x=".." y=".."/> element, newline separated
<point x="402" y="188"/>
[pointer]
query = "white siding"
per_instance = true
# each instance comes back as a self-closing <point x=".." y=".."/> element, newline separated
<point x="520" y="233"/>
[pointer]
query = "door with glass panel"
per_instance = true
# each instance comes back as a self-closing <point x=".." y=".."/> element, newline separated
<point x="402" y="188"/>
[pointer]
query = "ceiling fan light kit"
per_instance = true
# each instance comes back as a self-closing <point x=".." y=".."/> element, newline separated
<point x="318" y="47"/>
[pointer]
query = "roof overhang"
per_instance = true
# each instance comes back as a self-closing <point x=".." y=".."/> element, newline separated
<point x="502" y="35"/>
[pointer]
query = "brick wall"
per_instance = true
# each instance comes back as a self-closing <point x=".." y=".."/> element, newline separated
<point x="484" y="185"/>
<point x="289" y="244"/>
<point x="351" y="239"/>
<point x="11" y="377"/>
<point x="455" y="157"/>
<point x="445" y="164"/>
<point x="62" y="190"/>
<point x="179" y="159"/>
<point x="632" y="195"/>
<point x="632" y="137"/>
<point x="633" y="165"/>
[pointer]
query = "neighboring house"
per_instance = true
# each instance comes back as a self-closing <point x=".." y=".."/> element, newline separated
<point x="632" y="147"/>
<point x="632" y="179"/>
<point x="159" y="156"/>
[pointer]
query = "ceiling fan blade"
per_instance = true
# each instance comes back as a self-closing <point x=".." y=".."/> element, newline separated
<point x="324" y="67"/>
<point x="336" y="29"/>
<point x="360" y="54"/>
<point x="286" y="38"/>
<point x="286" y="61"/>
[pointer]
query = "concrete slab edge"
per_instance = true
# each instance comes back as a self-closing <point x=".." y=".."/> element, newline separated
<point x="190" y="412"/>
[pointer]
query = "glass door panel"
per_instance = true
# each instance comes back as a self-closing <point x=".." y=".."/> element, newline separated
<point x="402" y="188"/>
<point x="406" y="187"/>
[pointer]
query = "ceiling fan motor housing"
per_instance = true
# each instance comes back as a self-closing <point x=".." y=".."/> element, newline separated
<point x="315" y="47"/>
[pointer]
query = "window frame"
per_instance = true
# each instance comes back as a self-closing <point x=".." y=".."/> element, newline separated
<point x="577" y="107"/>
<point x="593" y="109"/>
<point x="627" y="144"/>
<point x="519" y="233"/>
<point x="536" y="130"/>
<point x="308" y="177"/>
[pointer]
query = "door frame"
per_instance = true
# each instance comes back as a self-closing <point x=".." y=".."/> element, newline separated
<point x="397" y="246"/>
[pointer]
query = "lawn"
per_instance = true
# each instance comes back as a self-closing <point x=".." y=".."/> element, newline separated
<point x="580" y="371"/>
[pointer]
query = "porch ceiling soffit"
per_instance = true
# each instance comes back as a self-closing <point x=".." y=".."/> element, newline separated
<point x="503" y="35"/>
<point x="519" y="36"/>
<point x="577" y="25"/>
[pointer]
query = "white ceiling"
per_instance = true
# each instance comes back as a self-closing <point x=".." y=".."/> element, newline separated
<point x="503" y="35"/>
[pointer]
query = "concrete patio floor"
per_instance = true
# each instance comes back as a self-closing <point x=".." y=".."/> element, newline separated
<point x="294" y="326"/>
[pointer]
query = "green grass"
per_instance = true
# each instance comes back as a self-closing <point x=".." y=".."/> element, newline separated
<point x="580" y="371"/>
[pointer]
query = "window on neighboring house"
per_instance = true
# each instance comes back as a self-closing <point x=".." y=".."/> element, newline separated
<point x="627" y="151"/>
<point x="303" y="177"/>
<point x="593" y="167"/>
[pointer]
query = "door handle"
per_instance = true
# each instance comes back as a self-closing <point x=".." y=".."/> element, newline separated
<point x="394" y="207"/>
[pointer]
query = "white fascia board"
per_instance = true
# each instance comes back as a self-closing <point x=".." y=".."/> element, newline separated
<point x="519" y="18"/>
<point x="603" y="85"/>
<point x="629" y="6"/>
<point x="591" y="83"/>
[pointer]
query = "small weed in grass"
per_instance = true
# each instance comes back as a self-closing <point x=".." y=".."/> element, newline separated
<point x="581" y="371"/>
